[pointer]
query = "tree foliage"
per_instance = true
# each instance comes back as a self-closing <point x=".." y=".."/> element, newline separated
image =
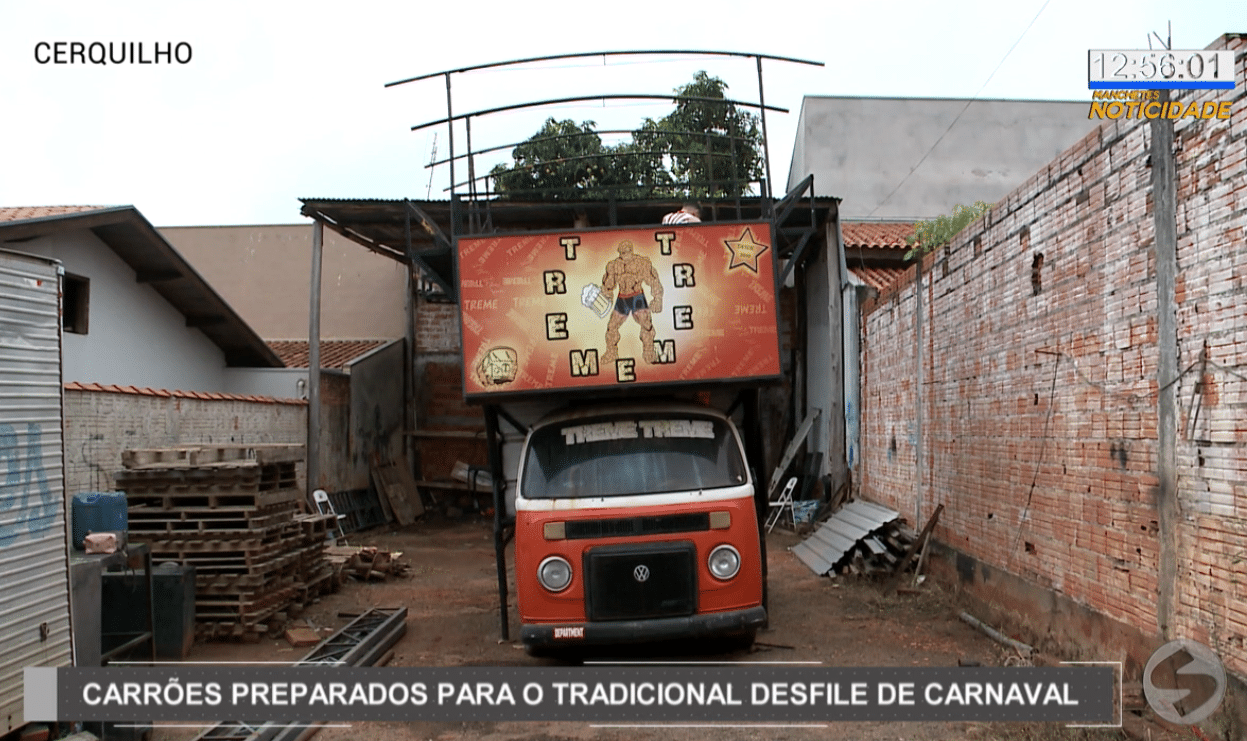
<point x="937" y="232"/>
<point x="701" y="149"/>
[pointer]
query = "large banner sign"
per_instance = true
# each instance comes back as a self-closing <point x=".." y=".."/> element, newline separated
<point x="618" y="307"/>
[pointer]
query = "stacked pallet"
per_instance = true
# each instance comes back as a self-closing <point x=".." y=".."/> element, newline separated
<point x="234" y="513"/>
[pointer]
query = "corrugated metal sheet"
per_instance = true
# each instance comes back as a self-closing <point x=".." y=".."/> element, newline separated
<point x="836" y="537"/>
<point x="34" y="557"/>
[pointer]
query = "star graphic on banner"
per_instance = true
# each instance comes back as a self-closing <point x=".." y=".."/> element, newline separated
<point x="745" y="251"/>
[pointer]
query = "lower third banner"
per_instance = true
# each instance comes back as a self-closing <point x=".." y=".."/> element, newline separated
<point x="592" y="694"/>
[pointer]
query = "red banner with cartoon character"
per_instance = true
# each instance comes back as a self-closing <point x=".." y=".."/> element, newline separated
<point x="619" y="307"/>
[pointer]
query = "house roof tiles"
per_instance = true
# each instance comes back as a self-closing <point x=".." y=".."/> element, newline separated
<point x="878" y="278"/>
<point x="875" y="234"/>
<point x="18" y="213"/>
<point x="334" y="354"/>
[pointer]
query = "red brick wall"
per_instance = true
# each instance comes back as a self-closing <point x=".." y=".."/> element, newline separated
<point x="1211" y="291"/>
<point x="439" y="393"/>
<point x="1039" y="408"/>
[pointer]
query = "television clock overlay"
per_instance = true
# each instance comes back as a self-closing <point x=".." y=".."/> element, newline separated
<point x="1146" y="69"/>
<point x="617" y="307"/>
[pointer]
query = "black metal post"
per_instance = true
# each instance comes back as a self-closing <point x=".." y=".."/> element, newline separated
<point x="313" y="361"/>
<point x="753" y="449"/>
<point x="766" y="148"/>
<point x="450" y="127"/>
<point x="493" y="441"/>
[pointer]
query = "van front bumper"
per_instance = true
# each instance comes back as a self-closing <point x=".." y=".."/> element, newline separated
<point x="710" y="625"/>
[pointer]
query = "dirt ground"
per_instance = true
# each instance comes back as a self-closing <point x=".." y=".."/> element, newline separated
<point x="451" y="596"/>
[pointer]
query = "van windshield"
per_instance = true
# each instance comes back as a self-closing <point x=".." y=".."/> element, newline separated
<point x="641" y="454"/>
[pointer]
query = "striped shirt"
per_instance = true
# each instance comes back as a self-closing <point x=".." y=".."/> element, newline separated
<point x="680" y="217"/>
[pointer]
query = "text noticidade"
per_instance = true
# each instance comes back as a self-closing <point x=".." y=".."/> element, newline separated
<point x="1155" y="109"/>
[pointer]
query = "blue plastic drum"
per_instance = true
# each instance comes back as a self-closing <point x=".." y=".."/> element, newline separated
<point x="98" y="512"/>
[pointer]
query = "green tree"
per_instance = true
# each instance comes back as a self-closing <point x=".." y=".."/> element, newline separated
<point x="561" y="157"/>
<point x="937" y="232"/>
<point x="716" y="148"/>
<point x="701" y="149"/>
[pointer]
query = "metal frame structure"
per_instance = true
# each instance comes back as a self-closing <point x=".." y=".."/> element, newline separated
<point x="451" y="117"/>
<point x="425" y="223"/>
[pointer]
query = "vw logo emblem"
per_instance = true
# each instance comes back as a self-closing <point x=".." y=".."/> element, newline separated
<point x="641" y="573"/>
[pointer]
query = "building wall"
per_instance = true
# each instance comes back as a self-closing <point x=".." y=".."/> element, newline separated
<point x="134" y="337"/>
<point x="279" y="383"/>
<point x="994" y="146"/>
<point x="99" y="425"/>
<point x="1040" y="394"/>
<point x="825" y="389"/>
<point x="362" y="293"/>
<point x="376" y="413"/>
<point x="335" y="472"/>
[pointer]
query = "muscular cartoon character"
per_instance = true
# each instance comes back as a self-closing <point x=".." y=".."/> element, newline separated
<point x="627" y="273"/>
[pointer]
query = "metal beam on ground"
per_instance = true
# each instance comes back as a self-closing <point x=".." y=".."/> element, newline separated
<point x="359" y="643"/>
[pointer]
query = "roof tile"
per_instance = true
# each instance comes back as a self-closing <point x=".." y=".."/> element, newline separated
<point x="19" y="213"/>
<point x="875" y="234"/>
<point x="177" y="394"/>
<point x="878" y="278"/>
<point x="334" y="354"/>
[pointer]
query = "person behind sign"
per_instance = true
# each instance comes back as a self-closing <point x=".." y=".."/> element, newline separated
<point x="690" y="213"/>
<point x="629" y="272"/>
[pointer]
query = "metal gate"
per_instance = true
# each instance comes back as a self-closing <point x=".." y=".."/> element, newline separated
<point x="34" y="555"/>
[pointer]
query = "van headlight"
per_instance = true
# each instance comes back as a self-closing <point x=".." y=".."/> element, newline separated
<point x="554" y="573"/>
<point x="724" y="562"/>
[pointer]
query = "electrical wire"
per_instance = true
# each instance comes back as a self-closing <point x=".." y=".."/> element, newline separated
<point x="963" y="110"/>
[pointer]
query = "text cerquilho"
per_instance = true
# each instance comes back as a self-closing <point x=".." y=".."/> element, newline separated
<point x="112" y="52"/>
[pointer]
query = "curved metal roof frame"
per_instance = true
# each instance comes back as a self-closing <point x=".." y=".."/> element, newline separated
<point x="467" y="118"/>
<point x="582" y="55"/>
<point x="594" y="132"/>
<point x="582" y="98"/>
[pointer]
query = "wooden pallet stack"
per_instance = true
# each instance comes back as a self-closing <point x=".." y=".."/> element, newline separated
<point x="234" y="513"/>
<point x="879" y="553"/>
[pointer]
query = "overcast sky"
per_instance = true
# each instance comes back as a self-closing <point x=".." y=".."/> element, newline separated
<point x="282" y="100"/>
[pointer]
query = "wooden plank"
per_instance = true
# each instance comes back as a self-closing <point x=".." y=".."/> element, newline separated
<point x="382" y="498"/>
<point x="215" y="500"/>
<point x="192" y="456"/>
<point x="913" y="547"/>
<point x="237" y="477"/>
<point x="790" y="453"/>
<point x="299" y="637"/>
<point x="386" y="478"/>
<point x="408" y="483"/>
<point x="456" y="485"/>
